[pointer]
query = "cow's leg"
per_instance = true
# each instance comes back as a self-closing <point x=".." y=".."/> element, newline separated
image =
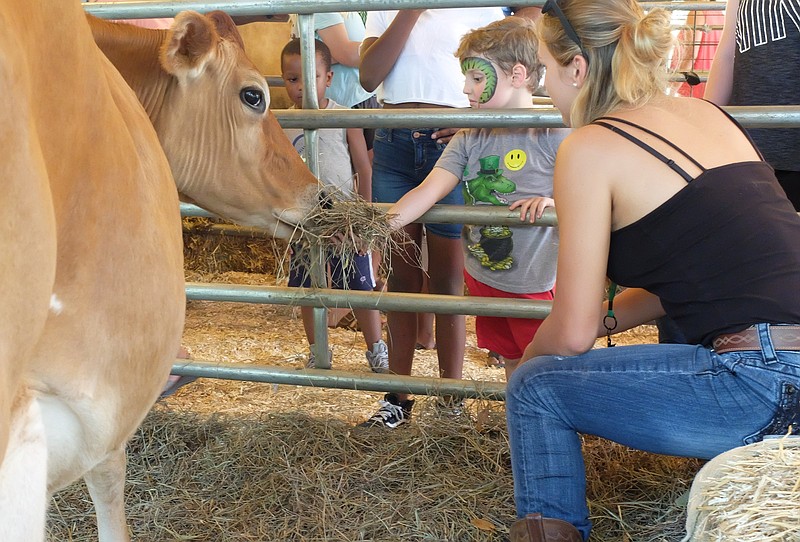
<point x="23" y="476"/>
<point x="106" y="483"/>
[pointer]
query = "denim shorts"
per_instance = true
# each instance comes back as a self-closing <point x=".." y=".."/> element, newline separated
<point x="403" y="158"/>
<point x="357" y="275"/>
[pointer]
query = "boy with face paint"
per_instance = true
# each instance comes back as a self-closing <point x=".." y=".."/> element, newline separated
<point x="499" y="166"/>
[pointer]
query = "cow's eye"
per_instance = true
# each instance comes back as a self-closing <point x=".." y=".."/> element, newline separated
<point x="254" y="98"/>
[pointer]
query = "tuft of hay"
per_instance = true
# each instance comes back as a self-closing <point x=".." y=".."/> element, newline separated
<point x="748" y="494"/>
<point x="344" y="228"/>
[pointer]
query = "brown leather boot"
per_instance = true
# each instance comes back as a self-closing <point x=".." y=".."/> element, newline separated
<point x="535" y="528"/>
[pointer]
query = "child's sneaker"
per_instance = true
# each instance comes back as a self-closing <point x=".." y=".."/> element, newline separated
<point x="312" y="360"/>
<point x="392" y="413"/>
<point x="378" y="359"/>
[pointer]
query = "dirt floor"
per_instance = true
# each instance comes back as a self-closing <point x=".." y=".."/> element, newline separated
<point x="229" y="460"/>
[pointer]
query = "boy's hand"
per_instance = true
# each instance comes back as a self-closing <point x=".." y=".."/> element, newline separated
<point x="444" y="135"/>
<point x="534" y="206"/>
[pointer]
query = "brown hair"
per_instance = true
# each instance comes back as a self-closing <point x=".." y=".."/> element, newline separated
<point x="506" y="42"/>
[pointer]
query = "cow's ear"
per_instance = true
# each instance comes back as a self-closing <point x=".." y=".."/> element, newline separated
<point x="226" y="27"/>
<point x="189" y="45"/>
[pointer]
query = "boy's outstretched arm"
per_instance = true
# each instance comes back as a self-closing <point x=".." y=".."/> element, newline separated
<point x="415" y="203"/>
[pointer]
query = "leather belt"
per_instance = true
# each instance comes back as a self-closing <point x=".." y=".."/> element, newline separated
<point x="783" y="338"/>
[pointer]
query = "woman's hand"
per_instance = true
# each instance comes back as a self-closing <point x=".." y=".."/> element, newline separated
<point x="535" y="206"/>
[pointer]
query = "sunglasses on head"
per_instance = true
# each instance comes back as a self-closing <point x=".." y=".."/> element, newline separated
<point x="551" y="6"/>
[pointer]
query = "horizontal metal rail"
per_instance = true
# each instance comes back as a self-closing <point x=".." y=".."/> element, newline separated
<point x="329" y="378"/>
<point x="441" y="214"/>
<point x="750" y="116"/>
<point x="385" y="301"/>
<point x="136" y="10"/>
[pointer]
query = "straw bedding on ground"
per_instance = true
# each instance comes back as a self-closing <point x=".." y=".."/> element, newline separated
<point x="240" y="461"/>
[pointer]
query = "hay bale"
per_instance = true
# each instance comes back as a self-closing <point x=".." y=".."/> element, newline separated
<point x="206" y="250"/>
<point x="748" y="494"/>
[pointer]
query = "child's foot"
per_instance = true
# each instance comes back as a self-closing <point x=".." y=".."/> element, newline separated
<point x="493" y="359"/>
<point x="392" y="413"/>
<point x="378" y="358"/>
<point x="312" y="360"/>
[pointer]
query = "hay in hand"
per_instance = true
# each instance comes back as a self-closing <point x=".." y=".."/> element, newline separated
<point x="344" y="228"/>
<point x="748" y="494"/>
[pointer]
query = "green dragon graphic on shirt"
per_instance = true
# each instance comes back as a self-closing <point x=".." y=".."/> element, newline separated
<point x="494" y="248"/>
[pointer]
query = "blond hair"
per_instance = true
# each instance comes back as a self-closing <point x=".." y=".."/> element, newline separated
<point x="627" y="49"/>
<point x="506" y="42"/>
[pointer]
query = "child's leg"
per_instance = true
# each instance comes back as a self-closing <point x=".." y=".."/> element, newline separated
<point x="369" y="320"/>
<point x="360" y="277"/>
<point x="406" y="276"/>
<point x="299" y="277"/>
<point x="447" y="277"/>
<point x="307" y="314"/>
<point x="425" y="338"/>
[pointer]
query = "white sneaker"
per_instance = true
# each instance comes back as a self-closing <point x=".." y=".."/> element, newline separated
<point x="312" y="360"/>
<point x="378" y="359"/>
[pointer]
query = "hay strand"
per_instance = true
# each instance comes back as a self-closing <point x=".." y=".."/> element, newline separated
<point x="344" y="228"/>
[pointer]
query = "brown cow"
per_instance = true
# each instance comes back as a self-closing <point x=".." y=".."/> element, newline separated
<point x="92" y="306"/>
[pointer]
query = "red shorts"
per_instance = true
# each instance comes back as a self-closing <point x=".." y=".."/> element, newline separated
<point x="507" y="336"/>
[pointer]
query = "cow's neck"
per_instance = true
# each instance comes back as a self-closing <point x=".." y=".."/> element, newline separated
<point x="134" y="52"/>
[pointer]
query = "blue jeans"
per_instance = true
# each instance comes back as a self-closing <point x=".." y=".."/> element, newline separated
<point x="403" y="158"/>
<point x="682" y="400"/>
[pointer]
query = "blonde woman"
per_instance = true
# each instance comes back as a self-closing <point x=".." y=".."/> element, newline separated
<point x="669" y="197"/>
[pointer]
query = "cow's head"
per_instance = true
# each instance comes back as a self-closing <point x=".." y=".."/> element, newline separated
<point x="226" y="149"/>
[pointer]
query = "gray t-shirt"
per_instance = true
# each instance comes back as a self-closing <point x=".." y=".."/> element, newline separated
<point x="497" y="167"/>
<point x="766" y="71"/>
<point x="335" y="169"/>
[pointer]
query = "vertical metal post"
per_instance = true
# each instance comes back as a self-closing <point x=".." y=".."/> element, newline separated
<point x="318" y="270"/>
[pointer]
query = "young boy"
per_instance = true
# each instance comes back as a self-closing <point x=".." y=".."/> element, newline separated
<point x="497" y="166"/>
<point x="341" y="151"/>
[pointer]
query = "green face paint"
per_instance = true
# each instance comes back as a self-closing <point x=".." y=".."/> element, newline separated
<point x="486" y="68"/>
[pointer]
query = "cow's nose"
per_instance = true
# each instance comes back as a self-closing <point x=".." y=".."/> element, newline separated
<point x="325" y="201"/>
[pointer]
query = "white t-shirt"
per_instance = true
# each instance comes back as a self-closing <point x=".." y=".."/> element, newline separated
<point x="426" y="70"/>
<point x="335" y="169"/>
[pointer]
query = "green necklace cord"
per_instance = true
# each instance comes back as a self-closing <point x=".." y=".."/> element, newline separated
<point x="609" y="320"/>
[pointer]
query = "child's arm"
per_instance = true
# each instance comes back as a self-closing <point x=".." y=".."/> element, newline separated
<point x="359" y="157"/>
<point x="415" y="203"/>
<point x="535" y="206"/>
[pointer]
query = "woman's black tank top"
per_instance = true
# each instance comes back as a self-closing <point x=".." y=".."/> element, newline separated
<point x="722" y="254"/>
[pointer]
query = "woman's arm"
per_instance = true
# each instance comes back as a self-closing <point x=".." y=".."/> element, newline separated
<point x="342" y="49"/>
<point x="720" y="79"/>
<point x="583" y="199"/>
<point x="584" y="184"/>
<point x="416" y="202"/>
<point x="632" y="308"/>
<point x="362" y="166"/>
<point x="378" y="55"/>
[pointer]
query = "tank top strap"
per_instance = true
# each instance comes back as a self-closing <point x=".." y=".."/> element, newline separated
<point x="741" y="129"/>
<point x="660" y="138"/>
<point x="641" y="144"/>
